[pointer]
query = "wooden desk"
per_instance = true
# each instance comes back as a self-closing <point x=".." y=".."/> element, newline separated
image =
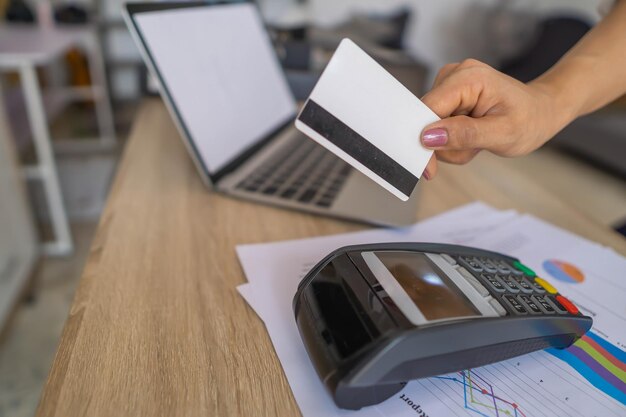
<point x="157" y="327"/>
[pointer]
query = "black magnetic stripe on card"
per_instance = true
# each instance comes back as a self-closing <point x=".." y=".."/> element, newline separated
<point x="340" y="134"/>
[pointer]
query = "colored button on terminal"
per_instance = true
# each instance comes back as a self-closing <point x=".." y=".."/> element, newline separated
<point x="520" y="266"/>
<point x="569" y="306"/>
<point x="546" y="285"/>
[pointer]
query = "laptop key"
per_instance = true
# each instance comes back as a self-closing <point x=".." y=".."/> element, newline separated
<point x="324" y="202"/>
<point x="307" y="195"/>
<point x="289" y="192"/>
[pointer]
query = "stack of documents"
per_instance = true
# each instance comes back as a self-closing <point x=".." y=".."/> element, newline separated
<point x="587" y="379"/>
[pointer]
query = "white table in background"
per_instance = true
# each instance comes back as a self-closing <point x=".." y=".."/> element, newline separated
<point x="23" y="48"/>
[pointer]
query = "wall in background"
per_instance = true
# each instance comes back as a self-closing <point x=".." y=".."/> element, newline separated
<point x="440" y="32"/>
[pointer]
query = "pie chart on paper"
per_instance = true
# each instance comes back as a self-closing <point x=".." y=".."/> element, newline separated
<point x="563" y="271"/>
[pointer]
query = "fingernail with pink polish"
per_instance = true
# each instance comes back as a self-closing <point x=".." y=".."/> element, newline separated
<point x="426" y="174"/>
<point x="435" y="137"/>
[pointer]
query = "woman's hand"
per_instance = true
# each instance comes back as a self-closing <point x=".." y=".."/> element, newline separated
<point x="482" y="108"/>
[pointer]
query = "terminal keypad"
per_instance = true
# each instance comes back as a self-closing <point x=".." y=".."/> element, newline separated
<point x="515" y="286"/>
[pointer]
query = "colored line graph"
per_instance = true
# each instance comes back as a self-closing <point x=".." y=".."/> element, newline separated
<point x="479" y="396"/>
<point x="598" y="361"/>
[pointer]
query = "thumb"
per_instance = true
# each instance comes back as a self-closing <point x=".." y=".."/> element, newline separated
<point x="463" y="133"/>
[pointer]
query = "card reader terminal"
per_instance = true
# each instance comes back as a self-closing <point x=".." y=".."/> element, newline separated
<point x="373" y="317"/>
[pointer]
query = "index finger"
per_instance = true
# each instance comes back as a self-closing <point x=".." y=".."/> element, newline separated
<point x="452" y="95"/>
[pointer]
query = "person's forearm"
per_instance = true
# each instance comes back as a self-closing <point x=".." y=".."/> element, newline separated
<point x="593" y="73"/>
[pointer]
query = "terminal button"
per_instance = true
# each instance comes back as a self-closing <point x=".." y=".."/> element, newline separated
<point x="448" y="258"/>
<point x="488" y="265"/>
<point x="509" y="282"/>
<point x="503" y="268"/>
<point x="473" y="282"/>
<point x="494" y="282"/>
<point x="533" y="307"/>
<point x="569" y="306"/>
<point x="546" y="285"/>
<point x="523" y="284"/>
<point x="537" y="287"/>
<point x="471" y="263"/>
<point x="517" y="306"/>
<point x="544" y="304"/>
<point x="497" y="307"/>
<point x="520" y="266"/>
<point x="557" y="306"/>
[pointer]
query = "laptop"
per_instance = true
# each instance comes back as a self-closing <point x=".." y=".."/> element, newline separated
<point x="223" y="85"/>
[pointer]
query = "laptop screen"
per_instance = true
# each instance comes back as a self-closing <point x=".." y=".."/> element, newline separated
<point x="221" y="73"/>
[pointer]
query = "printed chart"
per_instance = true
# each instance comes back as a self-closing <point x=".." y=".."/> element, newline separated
<point x="601" y="363"/>
<point x="528" y="386"/>
<point x="563" y="271"/>
<point x="480" y="397"/>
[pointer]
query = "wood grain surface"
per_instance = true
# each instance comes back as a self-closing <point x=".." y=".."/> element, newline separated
<point x="157" y="327"/>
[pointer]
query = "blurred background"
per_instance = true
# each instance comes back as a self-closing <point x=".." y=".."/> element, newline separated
<point x="71" y="81"/>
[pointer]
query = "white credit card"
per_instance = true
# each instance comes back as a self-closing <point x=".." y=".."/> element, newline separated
<point x="365" y="116"/>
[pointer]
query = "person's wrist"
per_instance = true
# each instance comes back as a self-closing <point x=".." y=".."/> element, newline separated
<point x="555" y="109"/>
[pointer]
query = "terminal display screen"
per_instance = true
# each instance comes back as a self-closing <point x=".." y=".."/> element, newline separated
<point x="433" y="293"/>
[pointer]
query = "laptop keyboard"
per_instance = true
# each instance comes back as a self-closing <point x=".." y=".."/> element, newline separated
<point x="301" y="171"/>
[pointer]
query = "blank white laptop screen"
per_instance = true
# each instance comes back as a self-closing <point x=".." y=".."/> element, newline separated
<point x="222" y="74"/>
